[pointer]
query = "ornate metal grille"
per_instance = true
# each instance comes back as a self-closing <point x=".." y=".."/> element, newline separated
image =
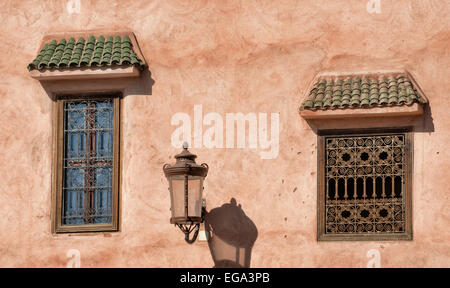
<point x="87" y="162"/>
<point x="365" y="184"/>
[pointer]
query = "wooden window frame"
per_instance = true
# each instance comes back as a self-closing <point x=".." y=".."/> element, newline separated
<point x="57" y="226"/>
<point x="321" y="235"/>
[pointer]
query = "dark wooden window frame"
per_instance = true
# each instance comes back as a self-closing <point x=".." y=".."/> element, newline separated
<point x="57" y="226"/>
<point x="321" y="235"/>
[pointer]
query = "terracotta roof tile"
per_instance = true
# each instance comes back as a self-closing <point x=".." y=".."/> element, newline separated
<point x="100" y="51"/>
<point x="361" y="91"/>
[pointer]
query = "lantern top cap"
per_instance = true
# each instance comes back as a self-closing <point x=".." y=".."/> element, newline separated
<point x="185" y="165"/>
<point x="185" y="154"/>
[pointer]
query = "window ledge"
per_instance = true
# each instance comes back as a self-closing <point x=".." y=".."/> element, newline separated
<point x="414" y="110"/>
<point x="86" y="73"/>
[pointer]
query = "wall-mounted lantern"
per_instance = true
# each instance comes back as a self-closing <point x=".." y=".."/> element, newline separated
<point x="186" y="188"/>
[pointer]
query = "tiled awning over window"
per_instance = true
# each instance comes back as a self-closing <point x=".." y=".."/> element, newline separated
<point x="362" y="91"/>
<point x="100" y="51"/>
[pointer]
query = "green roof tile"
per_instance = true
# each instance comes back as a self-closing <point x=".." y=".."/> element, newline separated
<point x="96" y="51"/>
<point x="361" y="91"/>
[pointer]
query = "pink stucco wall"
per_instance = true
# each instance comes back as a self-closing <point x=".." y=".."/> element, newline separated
<point x="229" y="56"/>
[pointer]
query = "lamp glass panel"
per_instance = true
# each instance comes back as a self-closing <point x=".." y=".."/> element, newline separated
<point x="176" y="187"/>
<point x="177" y="197"/>
<point x="195" y="188"/>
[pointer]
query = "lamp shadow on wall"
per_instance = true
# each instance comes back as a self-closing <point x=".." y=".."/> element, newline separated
<point x="231" y="235"/>
<point x="141" y="85"/>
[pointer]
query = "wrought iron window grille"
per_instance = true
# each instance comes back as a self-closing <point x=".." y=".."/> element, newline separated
<point x="364" y="187"/>
<point x="87" y="164"/>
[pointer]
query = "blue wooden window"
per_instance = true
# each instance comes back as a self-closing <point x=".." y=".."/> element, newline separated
<point x="88" y="162"/>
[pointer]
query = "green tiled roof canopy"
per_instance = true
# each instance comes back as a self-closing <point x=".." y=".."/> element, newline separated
<point x="361" y="92"/>
<point x="100" y="51"/>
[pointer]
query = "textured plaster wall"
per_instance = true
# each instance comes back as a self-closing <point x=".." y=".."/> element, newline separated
<point x="229" y="56"/>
